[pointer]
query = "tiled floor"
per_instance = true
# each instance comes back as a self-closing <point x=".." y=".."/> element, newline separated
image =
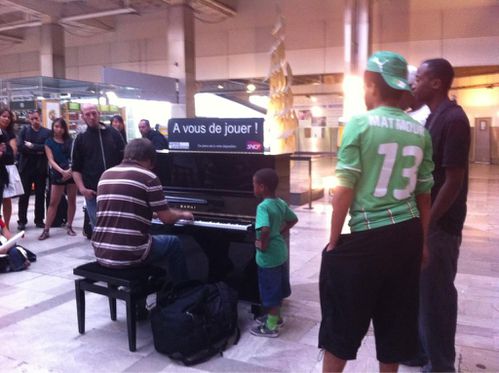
<point x="38" y="329"/>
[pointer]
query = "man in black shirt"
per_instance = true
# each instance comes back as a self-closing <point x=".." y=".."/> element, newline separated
<point x="32" y="169"/>
<point x="450" y="131"/>
<point x="157" y="139"/>
<point x="100" y="147"/>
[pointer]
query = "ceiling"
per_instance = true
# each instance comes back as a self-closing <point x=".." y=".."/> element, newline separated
<point x="91" y="15"/>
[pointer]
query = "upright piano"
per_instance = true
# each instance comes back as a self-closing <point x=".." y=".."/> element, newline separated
<point x="218" y="189"/>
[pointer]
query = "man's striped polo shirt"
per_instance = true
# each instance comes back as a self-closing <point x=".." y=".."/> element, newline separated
<point x="127" y="195"/>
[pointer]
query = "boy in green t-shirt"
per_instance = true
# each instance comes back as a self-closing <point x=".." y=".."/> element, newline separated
<point x="274" y="218"/>
<point x="384" y="174"/>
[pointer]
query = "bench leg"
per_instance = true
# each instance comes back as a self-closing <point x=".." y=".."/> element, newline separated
<point x="80" y="306"/>
<point x="112" y="303"/>
<point x="131" y="322"/>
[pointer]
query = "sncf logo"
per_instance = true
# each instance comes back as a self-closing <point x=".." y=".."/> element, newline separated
<point x="253" y="145"/>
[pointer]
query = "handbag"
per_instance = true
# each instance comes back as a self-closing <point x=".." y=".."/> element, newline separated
<point x="15" y="186"/>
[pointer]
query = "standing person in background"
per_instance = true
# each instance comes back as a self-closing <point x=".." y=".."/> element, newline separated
<point x="98" y="148"/>
<point x="6" y="157"/>
<point x="58" y="151"/>
<point x="157" y="139"/>
<point x="450" y="132"/>
<point x="410" y="104"/>
<point x="7" y="126"/>
<point x="384" y="178"/>
<point x="33" y="169"/>
<point x="118" y="123"/>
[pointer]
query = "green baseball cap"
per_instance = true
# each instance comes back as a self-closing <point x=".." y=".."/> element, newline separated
<point x="392" y="67"/>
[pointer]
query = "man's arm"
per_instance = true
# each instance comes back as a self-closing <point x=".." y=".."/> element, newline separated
<point x="423" y="202"/>
<point x="87" y="193"/>
<point x="454" y="177"/>
<point x="342" y="199"/>
<point x="21" y="146"/>
<point x="171" y="216"/>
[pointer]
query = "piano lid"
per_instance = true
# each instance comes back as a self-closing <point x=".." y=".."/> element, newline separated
<point x="210" y="172"/>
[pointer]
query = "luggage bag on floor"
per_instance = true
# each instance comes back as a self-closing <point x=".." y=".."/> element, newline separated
<point x="193" y="322"/>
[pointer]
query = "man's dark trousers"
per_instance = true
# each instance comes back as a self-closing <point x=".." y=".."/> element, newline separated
<point x="438" y="300"/>
<point x="29" y="176"/>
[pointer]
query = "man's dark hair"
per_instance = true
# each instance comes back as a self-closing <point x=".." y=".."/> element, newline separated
<point x="267" y="177"/>
<point x="35" y="111"/>
<point x="385" y="91"/>
<point x="442" y="69"/>
<point x="146" y="122"/>
<point x="140" y="150"/>
<point x="119" y="118"/>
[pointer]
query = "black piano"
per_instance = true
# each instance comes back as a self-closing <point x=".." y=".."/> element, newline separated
<point x="218" y="189"/>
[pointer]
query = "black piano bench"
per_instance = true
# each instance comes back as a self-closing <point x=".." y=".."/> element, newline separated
<point x="130" y="285"/>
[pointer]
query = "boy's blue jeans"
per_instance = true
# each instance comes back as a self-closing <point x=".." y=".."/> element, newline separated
<point x="166" y="247"/>
<point x="438" y="301"/>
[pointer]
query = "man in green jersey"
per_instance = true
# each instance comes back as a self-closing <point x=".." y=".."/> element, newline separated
<point x="384" y="174"/>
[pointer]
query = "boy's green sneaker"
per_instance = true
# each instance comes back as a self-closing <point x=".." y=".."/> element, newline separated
<point x="263" y="331"/>
<point x="262" y="320"/>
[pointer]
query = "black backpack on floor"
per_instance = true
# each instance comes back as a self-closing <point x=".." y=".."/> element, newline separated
<point x="194" y="321"/>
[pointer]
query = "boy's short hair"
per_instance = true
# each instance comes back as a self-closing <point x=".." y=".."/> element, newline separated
<point x="385" y="91"/>
<point x="267" y="177"/>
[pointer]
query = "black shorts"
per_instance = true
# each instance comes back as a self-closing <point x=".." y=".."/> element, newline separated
<point x="374" y="275"/>
<point x="60" y="182"/>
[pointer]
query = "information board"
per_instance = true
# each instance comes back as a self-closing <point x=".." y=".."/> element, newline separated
<point x="216" y="134"/>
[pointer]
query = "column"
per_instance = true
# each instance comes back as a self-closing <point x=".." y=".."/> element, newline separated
<point x="52" y="54"/>
<point x="357" y="50"/>
<point x="181" y="53"/>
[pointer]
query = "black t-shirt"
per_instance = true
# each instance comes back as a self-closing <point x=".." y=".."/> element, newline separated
<point x="450" y="133"/>
<point x="157" y="139"/>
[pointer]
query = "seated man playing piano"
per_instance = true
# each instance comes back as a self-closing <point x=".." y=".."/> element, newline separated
<point x="127" y="197"/>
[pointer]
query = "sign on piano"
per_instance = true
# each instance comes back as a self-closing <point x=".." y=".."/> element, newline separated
<point x="216" y="134"/>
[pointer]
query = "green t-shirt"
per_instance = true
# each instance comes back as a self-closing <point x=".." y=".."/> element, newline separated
<point x="386" y="157"/>
<point x="273" y="213"/>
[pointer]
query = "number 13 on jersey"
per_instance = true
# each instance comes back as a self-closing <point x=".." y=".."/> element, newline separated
<point x="389" y="151"/>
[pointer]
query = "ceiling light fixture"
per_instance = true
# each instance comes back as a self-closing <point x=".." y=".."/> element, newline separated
<point x="250" y="87"/>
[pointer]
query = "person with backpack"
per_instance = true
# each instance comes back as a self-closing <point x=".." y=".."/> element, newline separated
<point x="58" y="151"/>
<point x="274" y="219"/>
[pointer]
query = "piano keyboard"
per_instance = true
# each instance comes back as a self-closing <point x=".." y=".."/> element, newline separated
<point x="208" y="224"/>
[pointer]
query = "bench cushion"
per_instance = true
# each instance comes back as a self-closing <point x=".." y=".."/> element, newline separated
<point x="120" y="277"/>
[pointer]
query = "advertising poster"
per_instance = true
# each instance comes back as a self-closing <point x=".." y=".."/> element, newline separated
<point x="51" y="110"/>
<point x="216" y="134"/>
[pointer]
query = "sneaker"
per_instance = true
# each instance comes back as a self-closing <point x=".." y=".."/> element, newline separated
<point x="263" y="331"/>
<point x="21" y="226"/>
<point x="40" y="225"/>
<point x="262" y="320"/>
